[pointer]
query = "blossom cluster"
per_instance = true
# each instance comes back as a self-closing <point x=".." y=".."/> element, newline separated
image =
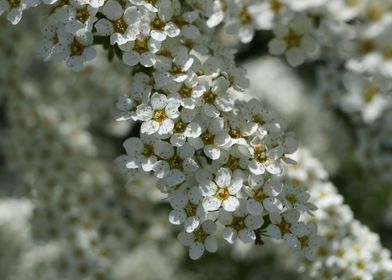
<point x="348" y="249"/>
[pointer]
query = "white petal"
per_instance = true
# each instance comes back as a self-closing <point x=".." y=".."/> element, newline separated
<point x="186" y="238"/>
<point x="254" y="207"/>
<point x="254" y="222"/>
<point x="223" y="177"/>
<point x="158" y="101"/>
<point x="236" y="185"/>
<point x="274" y="231"/>
<point x="191" y="224"/>
<point x="177" y="216"/>
<point x="211" y="203"/>
<point x="231" y="204"/>
<point x="277" y="46"/>
<point x="272" y="204"/>
<point x="295" y="57"/>
<point x="166" y="127"/>
<point x="175" y="177"/>
<point x="196" y="250"/>
<point x="291" y="240"/>
<point x="149" y="127"/>
<point x="209" y="226"/>
<point x="229" y="234"/>
<point x="211" y="244"/>
<point x="130" y="58"/>
<point x="247" y="235"/>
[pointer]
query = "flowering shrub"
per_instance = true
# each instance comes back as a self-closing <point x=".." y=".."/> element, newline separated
<point x="222" y="160"/>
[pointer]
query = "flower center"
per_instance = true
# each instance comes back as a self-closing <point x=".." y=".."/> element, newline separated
<point x="148" y="151"/>
<point x="291" y="198"/>
<point x="159" y="115"/>
<point x="120" y="26"/>
<point x="76" y="48"/>
<point x="141" y="46"/>
<point x="55" y="40"/>
<point x="388" y="53"/>
<point x="375" y="13"/>
<point x="209" y="97"/>
<point x="175" y="162"/>
<point x="275" y="6"/>
<point x="304" y="240"/>
<point x="207" y="138"/>
<point x="258" y="195"/>
<point x="367" y="46"/>
<point x="179" y="127"/>
<point x="258" y="119"/>
<point x="369" y="93"/>
<point x="185" y="92"/>
<point x="284" y="226"/>
<point x="157" y="24"/>
<point x="245" y="17"/>
<point x="233" y="163"/>
<point x="82" y="15"/>
<point x="222" y="194"/>
<point x="190" y="209"/>
<point x="235" y="133"/>
<point x="14" y="3"/>
<point x="176" y="69"/>
<point x="178" y="20"/>
<point x="200" y="235"/>
<point x="238" y="223"/>
<point x="293" y="40"/>
<point x="260" y="154"/>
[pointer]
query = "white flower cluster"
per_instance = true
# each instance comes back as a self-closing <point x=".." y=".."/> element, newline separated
<point x="349" y="250"/>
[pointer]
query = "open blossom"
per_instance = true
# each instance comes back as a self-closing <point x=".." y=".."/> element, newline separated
<point x="240" y="224"/>
<point x="200" y="240"/>
<point x="119" y="24"/>
<point x="221" y="190"/>
<point x="159" y="117"/>
<point x="187" y="208"/>
<point x="15" y="8"/>
<point x="293" y="40"/>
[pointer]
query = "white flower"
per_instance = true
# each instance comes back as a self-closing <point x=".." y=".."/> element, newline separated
<point x="263" y="196"/>
<point x="216" y="98"/>
<point x="142" y="51"/>
<point x="365" y="95"/>
<point x="158" y="118"/>
<point x="221" y="191"/>
<point x="78" y="51"/>
<point x="185" y="128"/>
<point x="246" y="19"/>
<point x="121" y="25"/>
<point x="187" y="208"/>
<point x="140" y="153"/>
<point x="199" y="240"/>
<point x="175" y="68"/>
<point x="14" y="8"/>
<point x="239" y="223"/>
<point x="158" y="25"/>
<point x="296" y="197"/>
<point x="54" y="35"/>
<point x="282" y="227"/>
<point x="176" y="163"/>
<point x="188" y="92"/>
<point x="212" y="139"/>
<point x="294" y="40"/>
<point x="261" y="158"/>
<point x="80" y="19"/>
